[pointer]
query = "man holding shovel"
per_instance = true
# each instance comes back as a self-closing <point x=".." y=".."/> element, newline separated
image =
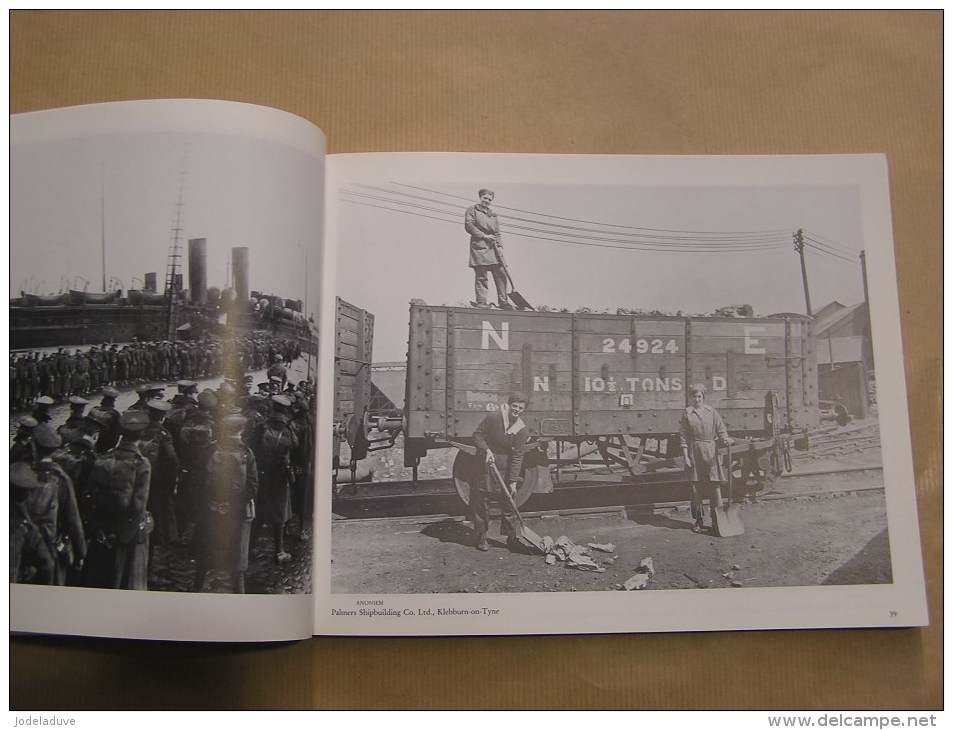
<point x="484" y="228"/>
<point x="500" y="440"/>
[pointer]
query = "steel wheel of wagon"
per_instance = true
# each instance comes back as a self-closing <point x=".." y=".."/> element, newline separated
<point x="468" y="469"/>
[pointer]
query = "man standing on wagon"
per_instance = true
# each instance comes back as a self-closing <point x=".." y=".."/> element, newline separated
<point x="484" y="228"/>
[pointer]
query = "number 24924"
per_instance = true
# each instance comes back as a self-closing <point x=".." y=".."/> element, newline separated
<point x="654" y="347"/>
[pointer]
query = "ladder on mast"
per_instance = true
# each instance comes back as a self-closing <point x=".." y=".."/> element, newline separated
<point x="174" y="261"/>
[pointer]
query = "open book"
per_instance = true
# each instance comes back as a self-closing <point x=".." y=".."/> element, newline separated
<point x="261" y="393"/>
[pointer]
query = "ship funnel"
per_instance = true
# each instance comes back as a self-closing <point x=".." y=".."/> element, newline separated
<point x="198" y="281"/>
<point x="150" y="281"/>
<point x="240" y="273"/>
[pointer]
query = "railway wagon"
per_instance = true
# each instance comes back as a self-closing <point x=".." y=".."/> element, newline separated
<point x="614" y="386"/>
<point x="353" y="350"/>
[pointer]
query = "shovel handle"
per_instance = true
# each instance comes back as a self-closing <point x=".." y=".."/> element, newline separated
<point x="499" y="257"/>
<point x="729" y="472"/>
<point x="502" y="481"/>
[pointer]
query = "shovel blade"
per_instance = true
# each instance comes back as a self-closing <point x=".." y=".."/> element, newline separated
<point x="727" y="521"/>
<point x="519" y="301"/>
<point x="532" y="538"/>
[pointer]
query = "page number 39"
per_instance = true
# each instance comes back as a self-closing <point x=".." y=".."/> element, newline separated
<point x="893" y="614"/>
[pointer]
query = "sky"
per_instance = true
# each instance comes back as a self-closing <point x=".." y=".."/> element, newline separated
<point x="571" y="241"/>
<point x="404" y="239"/>
<point x="67" y="196"/>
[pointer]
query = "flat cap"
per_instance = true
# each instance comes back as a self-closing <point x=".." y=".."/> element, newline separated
<point x="134" y="421"/>
<point x="23" y="476"/>
<point x="27" y="422"/>
<point x="97" y="419"/>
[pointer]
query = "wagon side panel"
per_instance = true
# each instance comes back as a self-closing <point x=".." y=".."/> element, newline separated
<point x="629" y="374"/>
<point x="426" y="394"/>
<point x="805" y="411"/>
<point x="353" y="352"/>
<point x="490" y="354"/>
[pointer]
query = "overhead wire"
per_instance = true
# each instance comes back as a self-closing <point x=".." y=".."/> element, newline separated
<point x="695" y="244"/>
<point x="690" y="246"/>
<point x="641" y="238"/>
<point x="598" y="223"/>
<point x="733" y="237"/>
<point x="818" y="238"/>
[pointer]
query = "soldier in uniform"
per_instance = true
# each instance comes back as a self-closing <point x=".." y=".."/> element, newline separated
<point x="183" y="404"/>
<point x="107" y="416"/>
<point x="227" y="505"/>
<point x="76" y="458"/>
<point x="500" y="439"/>
<point x="31" y="557"/>
<point x="41" y="410"/>
<point x="23" y="448"/>
<point x="55" y="509"/>
<point x="123" y="360"/>
<point x="80" y="376"/>
<point x="96" y="364"/>
<point x="17" y="386"/>
<point x="64" y="370"/>
<point x="77" y="415"/>
<point x="278" y="371"/>
<point x="112" y="365"/>
<point x="193" y="447"/>
<point x="273" y="443"/>
<point x="31" y="378"/>
<point x="157" y="446"/>
<point x="186" y="394"/>
<point x="120" y="524"/>
<point x="46" y="372"/>
<point x="146" y="393"/>
<point x="303" y="489"/>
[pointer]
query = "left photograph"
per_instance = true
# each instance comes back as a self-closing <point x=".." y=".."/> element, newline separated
<point x="163" y="361"/>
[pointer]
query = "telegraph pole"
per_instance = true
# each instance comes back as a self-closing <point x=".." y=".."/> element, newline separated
<point x="863" y="268"/>
<point x="799" y="247"/>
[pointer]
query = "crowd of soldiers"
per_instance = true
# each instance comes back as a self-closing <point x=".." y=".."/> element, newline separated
<point x="67" y="372"/>
<point x="94" y="499"/>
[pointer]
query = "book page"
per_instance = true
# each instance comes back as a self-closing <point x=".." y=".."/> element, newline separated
<point x="614" y="394"/>
<point x="164" y="295"/>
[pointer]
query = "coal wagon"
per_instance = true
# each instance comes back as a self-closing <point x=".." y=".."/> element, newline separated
<point x="355" y="422"/>
<point x="607" y="391"/>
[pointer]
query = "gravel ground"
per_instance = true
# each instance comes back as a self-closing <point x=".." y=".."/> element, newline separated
<point x="803" y="541"/>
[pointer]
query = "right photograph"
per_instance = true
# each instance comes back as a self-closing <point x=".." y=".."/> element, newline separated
<point x="547" y="387"/>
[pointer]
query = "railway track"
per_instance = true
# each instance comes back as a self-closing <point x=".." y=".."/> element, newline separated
<point x="436" y="499"/>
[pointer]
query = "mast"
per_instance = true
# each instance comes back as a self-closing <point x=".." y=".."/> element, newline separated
<point x="173" y="263"/>
<point x="307" y="322"/>
<point x="102" y="221"/>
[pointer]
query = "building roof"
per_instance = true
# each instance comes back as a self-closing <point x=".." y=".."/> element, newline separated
<point x="833" y="350"/>
<point x="830" y="316"/>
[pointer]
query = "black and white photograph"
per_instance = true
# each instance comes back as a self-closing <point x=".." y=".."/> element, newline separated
<point x="549" y="379"/>
<point x="163" y="359"/>
<point x="558" y="394"/>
